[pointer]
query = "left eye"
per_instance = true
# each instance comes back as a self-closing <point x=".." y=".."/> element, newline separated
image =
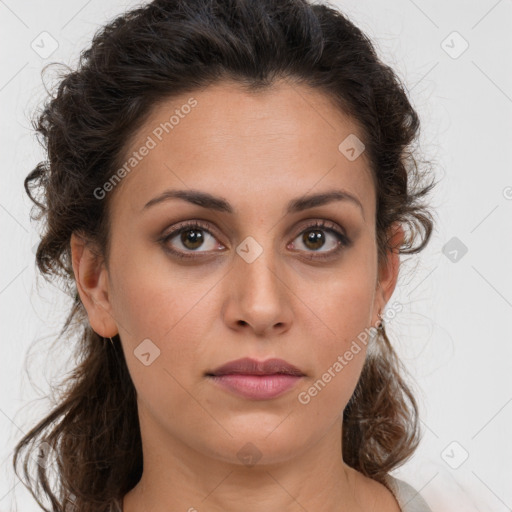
<point x="314" y="238"/>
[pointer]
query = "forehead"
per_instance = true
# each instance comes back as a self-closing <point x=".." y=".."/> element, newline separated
<point x="244" y="145"/>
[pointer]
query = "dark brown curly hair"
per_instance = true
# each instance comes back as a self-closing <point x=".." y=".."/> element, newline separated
<point x="153" y="53"/>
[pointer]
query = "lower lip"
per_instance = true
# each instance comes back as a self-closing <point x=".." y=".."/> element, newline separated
<point x="257" y="387"/>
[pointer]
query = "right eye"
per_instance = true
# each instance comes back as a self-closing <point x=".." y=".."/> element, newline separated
<point x="190" y="236"/>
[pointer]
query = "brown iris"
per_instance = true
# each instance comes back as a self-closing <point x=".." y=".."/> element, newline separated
<point x="314" y="237"/>
<point x="194" y="236"/>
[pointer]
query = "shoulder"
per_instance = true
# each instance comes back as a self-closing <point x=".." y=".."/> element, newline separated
<point x="407" y="496"/>
<point x="373" y="495"/>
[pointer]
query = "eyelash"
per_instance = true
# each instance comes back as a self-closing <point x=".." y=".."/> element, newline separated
<point x="343" y="240"/>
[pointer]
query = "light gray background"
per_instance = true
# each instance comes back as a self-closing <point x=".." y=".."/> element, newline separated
<point x="454" y="331"/>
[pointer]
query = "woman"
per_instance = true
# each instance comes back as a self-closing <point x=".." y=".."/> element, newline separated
<point x="227" y="193"/>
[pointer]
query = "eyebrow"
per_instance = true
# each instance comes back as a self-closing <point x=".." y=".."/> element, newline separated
<point x="219" y="204"/>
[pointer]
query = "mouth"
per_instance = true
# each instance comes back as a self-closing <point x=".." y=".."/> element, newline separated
<point x="256" y="380"/>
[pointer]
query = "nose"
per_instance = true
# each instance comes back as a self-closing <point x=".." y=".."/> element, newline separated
<point x="259" y="296"/>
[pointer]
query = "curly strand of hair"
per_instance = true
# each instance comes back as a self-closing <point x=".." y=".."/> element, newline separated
<point x="380" y="422"/>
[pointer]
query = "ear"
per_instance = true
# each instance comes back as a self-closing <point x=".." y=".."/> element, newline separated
<point x="388" y="272"/>
<point x="91" y="278"/>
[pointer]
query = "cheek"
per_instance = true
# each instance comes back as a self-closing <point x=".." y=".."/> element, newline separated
<point x="153" y="300"/>
<point x="338" y="357"/>
<point x="343" y="301"/>
<point x="160" y="317"/>
<point x="169" y="308"/>
<point x="344" y="307"/>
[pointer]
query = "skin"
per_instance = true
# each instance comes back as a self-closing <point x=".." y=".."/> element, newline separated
<point x="257" y="151"/>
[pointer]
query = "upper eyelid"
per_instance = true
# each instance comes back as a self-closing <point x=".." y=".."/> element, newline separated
<point x="185" y="225"/>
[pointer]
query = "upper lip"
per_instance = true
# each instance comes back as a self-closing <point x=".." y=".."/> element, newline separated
<point x="250" y="366"/>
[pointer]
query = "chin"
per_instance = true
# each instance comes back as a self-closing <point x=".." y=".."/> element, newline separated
<point x="262" y="446"/>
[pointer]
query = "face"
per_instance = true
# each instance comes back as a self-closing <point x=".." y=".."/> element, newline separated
<point x="239" y="260"/>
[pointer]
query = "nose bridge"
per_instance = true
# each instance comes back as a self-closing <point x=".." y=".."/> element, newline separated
<point x="257" y="264"/>
<point x="259" y="295"/>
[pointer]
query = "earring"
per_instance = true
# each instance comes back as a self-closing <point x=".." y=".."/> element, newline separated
<point x="380" y="325"/>
<point x="111" y="341"/>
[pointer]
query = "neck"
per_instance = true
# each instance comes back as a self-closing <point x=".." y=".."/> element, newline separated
<point x="177" y="477"/>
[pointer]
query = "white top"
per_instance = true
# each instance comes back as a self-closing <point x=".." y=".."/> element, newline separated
<point x="408" y="498"/>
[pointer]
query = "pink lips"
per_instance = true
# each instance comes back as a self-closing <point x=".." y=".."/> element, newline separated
<point x="257" y="380"/>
